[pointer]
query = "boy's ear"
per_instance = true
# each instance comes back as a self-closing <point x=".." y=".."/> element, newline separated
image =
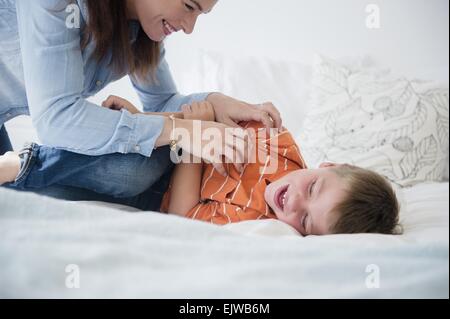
<point x="327" y="164"/>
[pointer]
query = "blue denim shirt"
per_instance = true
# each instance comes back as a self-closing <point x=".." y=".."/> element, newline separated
<point x="45" y="73"/>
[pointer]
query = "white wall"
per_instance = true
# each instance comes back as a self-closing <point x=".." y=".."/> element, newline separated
<point x="413" y="33"/>
<point x="413" y="38"/>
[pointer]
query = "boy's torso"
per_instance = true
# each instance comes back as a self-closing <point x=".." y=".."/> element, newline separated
<point x="240" y="196"/>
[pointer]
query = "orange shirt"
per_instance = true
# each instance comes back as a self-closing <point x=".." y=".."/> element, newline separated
<point x="240" y="196"/>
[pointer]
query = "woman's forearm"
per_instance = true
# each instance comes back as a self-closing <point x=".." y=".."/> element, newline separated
<point x="186" y="179"/>
<point x="166" y="135"/>
<point x="177" y="115"/>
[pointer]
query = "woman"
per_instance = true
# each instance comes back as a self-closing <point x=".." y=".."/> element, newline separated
<point x="51" y="62"/>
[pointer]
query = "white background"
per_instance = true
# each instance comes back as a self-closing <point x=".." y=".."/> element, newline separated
<point x="412" y="32"/>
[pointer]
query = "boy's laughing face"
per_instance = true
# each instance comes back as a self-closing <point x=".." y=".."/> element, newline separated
<point x="306" y="198"/>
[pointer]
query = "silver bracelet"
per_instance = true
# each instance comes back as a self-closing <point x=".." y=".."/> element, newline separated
<point x="173" y="142"/>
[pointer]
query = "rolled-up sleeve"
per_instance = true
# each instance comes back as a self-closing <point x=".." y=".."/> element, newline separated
<point x="54" y="80"/>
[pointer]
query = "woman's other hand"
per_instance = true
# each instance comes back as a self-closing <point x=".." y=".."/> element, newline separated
<point x="231" y="112"/>
<point x="117" y="103"/>
<point x="202" y="111"/>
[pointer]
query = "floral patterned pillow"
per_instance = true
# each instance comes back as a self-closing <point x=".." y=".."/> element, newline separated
<point x="396" y="127"/>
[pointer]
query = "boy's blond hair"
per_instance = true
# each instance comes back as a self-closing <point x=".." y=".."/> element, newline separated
<point x="371" y="205"/>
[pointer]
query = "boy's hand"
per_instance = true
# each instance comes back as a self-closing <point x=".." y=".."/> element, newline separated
<point x="202" y="111"/>
<point x="117" y="103"/>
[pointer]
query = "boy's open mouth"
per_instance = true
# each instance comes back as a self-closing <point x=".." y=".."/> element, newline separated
<point x="280" y="197"/>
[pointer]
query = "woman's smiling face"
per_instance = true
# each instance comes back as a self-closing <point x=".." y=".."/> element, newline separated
<point x="306" y="198"/>
<point x="161" y="18"/>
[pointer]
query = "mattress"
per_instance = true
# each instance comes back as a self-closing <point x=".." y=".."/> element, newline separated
<point x="121" y="254"/>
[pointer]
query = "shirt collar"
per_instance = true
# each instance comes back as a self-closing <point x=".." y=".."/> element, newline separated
<point x="83" y="9"/>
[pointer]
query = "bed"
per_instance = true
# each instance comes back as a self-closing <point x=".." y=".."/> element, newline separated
<point x="117" y="252"/>
<point x="150" y="255"/>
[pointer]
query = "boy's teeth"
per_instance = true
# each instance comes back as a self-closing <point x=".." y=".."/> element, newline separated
<point x="283" y="199"/>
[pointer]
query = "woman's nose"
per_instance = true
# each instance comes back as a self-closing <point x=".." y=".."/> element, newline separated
<point x="189" y="24"/>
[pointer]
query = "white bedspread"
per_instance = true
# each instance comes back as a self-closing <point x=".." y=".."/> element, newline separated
<point x="151" y="255"/>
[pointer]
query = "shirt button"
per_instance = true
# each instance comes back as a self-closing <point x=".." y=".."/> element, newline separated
<point x="99" y="83"/>
<point x="137" y="148"/>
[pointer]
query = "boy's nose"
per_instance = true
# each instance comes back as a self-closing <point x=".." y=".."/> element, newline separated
<point x="297" y="203"/>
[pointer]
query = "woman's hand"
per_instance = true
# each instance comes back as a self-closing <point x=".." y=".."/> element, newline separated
<point x="217" y="143"/>
<point x="202" y="111"/>
<point x="231" y="144"/>
<point x="117" y="103"/>
<point x="230" y="111"/>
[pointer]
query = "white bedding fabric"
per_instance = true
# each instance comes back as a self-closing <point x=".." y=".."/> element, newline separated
<point x="151" y="255"/>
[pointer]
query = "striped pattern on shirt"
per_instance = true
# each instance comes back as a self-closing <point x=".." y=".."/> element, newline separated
<point x="240" y="196"/>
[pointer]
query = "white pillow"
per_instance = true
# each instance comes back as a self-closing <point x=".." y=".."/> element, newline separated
<point x="252" y="79"/>
<point x="396" y="127"/>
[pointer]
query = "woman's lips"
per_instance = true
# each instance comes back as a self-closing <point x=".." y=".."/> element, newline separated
<point x="280" y="197"/>
<point x="168" y="28"/>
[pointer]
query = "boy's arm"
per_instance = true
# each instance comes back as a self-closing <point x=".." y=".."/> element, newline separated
<point x="185" y="190"/>
<point x="187" y="177"/>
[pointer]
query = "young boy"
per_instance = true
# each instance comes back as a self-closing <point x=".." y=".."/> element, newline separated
<point x="332" y="199"/>
<point x="329" y="200"/>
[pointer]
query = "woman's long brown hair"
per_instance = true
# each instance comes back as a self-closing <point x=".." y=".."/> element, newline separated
<point x="108" y="26"/>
